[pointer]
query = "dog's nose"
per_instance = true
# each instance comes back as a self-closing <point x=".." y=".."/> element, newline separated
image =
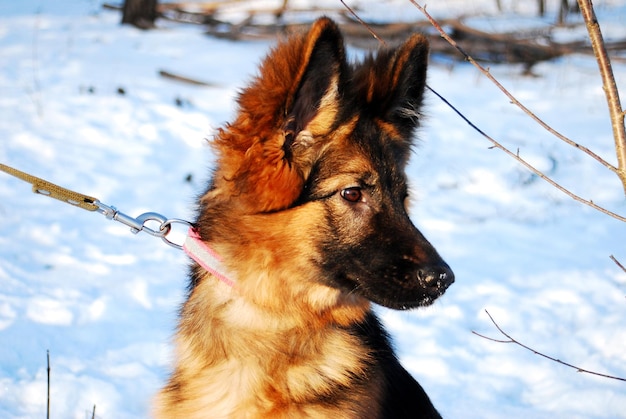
<point x="437" y="276"/>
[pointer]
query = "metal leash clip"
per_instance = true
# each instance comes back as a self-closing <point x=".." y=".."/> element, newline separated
<point x="89" y="203"/>
<point x="139" y="223"/>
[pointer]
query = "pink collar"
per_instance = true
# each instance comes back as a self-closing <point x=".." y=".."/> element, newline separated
<point x="205" y="256"/>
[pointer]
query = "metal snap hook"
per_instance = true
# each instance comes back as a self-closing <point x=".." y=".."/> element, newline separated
<point x="163" y="229"/>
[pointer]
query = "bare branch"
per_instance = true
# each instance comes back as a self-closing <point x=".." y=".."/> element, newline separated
<point x="618" y="263"/>
<point x="492" y="339"/>
<point x="608" y="84"/>
<point x="508" y="94"/>
<point x="515" y="341"/>
<point x="496" y="144"/>
<point x="357" y="17"/>
<point x="530" y="167"/>
<point x="48" y="399"/>
<point x="183" y="79"/>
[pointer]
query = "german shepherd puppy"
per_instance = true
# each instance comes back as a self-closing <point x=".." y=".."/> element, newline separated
<point x="305" y="224"/>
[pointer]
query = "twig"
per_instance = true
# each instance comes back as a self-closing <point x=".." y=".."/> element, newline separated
<point x="48" y="406"/>
<point x="508" y="94"/>
<point x="93" y="413"/>
<point x="357" y="17"/>
<point x="608" y="85"/>
<point x="183" y="79"/>
<point x="533" y="116"/>
<point x="515" y="341"/>
<point x="281" y="11"/>
<point x="617" y="263"/>
<point x="528" y="166"/>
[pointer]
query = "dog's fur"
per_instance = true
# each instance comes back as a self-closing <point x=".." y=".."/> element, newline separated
<point x="307" y="208"/>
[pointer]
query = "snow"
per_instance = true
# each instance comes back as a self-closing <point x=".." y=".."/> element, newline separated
<point x="82" y="105"/>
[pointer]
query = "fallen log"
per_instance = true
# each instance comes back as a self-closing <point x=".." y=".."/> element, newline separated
<point x="521" y="47"/>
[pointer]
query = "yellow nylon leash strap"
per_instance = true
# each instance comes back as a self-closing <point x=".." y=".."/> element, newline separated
<point x="43" y="187"/>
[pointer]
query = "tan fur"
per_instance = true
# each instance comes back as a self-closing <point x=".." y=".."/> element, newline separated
<point x="296" y="328"/>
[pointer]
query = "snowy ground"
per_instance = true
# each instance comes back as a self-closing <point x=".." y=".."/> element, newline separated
<point x="82" y="104"/>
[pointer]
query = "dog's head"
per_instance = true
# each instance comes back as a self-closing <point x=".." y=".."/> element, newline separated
<point x="310" y="175"/>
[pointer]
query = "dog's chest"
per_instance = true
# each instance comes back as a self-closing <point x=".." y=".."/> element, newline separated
<point x="297" y="376"/>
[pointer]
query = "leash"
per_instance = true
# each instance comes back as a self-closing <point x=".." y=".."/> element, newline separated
<point x="43" y="187"/>
<point x="89" y="203"/>
<point x="193" y="245"/>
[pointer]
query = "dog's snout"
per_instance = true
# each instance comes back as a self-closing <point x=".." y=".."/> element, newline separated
<point x="437" y="276"/>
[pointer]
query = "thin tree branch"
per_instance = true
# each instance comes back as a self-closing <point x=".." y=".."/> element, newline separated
<point x="508" y="94"/>
<point x="618" y="263"/>
<point x="528" y="166"/>
<point x="357" y="17"/>
<point x="608" y="85"/>
<point x="515" y="341"/>
<point x="48" y="400"/>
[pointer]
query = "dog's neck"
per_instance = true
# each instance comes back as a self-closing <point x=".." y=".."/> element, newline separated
<point x="206" y="257"/>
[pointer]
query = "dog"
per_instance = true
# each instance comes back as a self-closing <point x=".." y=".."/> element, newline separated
<point x="303" y="226"/>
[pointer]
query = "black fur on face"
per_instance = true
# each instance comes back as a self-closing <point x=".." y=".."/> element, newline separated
<point x="371" y="247"/>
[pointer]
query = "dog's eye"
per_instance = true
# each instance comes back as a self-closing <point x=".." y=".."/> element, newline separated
<point x="353" y="194"/>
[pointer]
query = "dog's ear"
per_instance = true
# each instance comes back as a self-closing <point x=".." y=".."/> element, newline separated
<point x="392" y="83"/>
<point x="266" y="153"/>
<point x="295" y="77"/>
<point x="317" y="82"/>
